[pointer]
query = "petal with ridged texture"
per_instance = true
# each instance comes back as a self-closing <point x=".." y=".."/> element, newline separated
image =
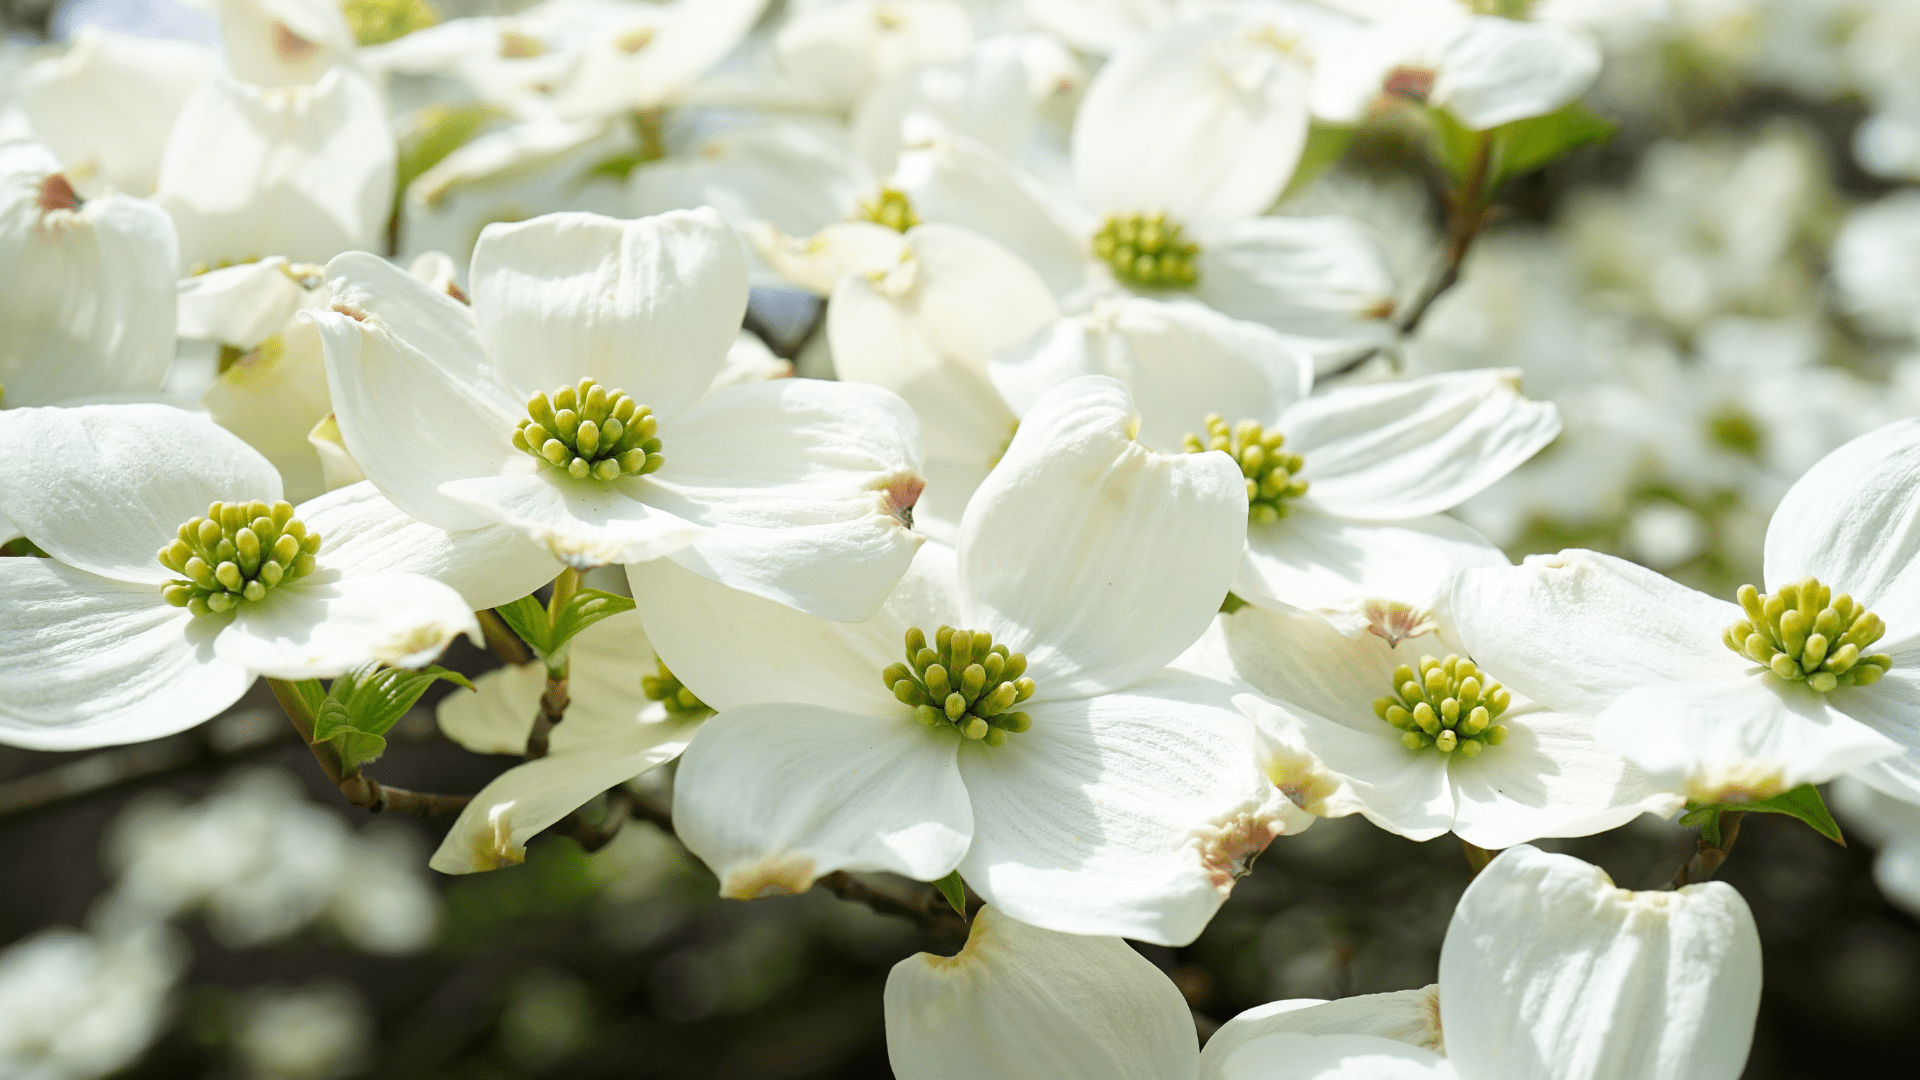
<point x="1290" y="1055"/>
<point x="1408" y="1016"/>
<point x="1022" y="1003"/>
<point x="322" y="625"/>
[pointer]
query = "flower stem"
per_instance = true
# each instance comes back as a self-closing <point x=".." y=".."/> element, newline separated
<point x="1707" y="859"/>
<point x="553" y="699"/>
<point x="361" y="790"/>
<point x="504" y="643"/>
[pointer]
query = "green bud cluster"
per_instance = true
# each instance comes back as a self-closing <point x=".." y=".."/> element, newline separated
<point x="1449" y="705"/>
<point x="588" y="430"/>
<point x="1805" y="633"/>
<point x="376" y="22"/>
<point x="1272" y="474"/>
<point x="891" y="208"/>
<point x="1146" y="252"/>
<point x="667" y="689"/>
<point x="238" y="552"/>
<point x="964" y="681"/>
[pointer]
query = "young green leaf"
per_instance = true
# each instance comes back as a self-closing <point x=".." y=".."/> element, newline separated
<point x="1805" y="803"/>
<point x="583" y="609"/>
<point x="528" y="618"/>
<point x="1525" y="145"/>
<point x="364" y="703"/>
<point x="955" y="892"/>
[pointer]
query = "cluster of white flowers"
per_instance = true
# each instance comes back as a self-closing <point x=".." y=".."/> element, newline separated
<point x="1100" y="532"/>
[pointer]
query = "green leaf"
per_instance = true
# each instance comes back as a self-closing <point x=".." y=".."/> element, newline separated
<point x="364" y="703"/>
<point x="1525" y="145"/>
<point x="1803" y="802"/>
<point x="311" y="694"/>
<point x="583" y="609"/>
<point x="357" y="748"/>
<point x="955" y="892"/>
<point x="1454" y="146"/>
<point x="1325" y="144"/>
<point x="440" y="131"/>
<point x="528" y="618"/>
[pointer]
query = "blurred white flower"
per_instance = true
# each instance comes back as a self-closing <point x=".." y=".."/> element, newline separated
<point x="77" y="1007"/>
<point x="320" y="1031"/>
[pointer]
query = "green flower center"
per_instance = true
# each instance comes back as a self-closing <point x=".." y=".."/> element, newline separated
<point x="588" y="430"/>
<point x="667" y="689"/>
<point x="964" y="681"/>
<point x="237" y="553"/>
<point x="376" y="22"/>
<point x="891" y="208"/>
<point x="1449" y="705"/>
<point x="1805" y="633"/>
<point x="1146" y="252"/>
<point x="1272" y="473"/>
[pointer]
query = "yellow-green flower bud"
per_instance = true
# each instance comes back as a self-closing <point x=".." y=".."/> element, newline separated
<point x="1449" y="705"/>
<point x="590" y="432"/>
<point x="1804" y="633"/>
<point x="963" y="682"/>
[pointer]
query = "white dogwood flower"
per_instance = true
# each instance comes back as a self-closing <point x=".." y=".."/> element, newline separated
<point x="569" y="402"/>
<point x="1549" y="972"/>
<point x="1346" y="488"/>
<point x="88" y="309"/>
<point x="1040" y="748"/>
<point x="626" y="714"/>
<point x="1817" y="677"/>
<point x="108" y="642"/>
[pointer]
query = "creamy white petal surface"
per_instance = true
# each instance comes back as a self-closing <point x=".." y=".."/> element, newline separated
<point x="984" y="96"/>
<point x="1551" y="777"/>
<point x="88" y="307"/>
<point x="1359" y="576"/>
<point x="1180" y="362"/>
<point x="1319" y="277"/>
<point x="772" y="796"/>
<point x="397" y="351"/>
<point x="322" y="625"/>
<point x="1498" y="70"/>
<point x="585" y="523"/>
<point x="1200" y="120"/>
<point x="1408" y="1016"/>
<point x="301" y="171"/>
<point x="1627" y="626"/>
<point x="1395" y="451"/>
<point x="104" y="487"/>
<point x="606" y="662"/>
<point x="366" y="534"/>
<point x="272" y="396"/>
<point x="816" y="263"/>
<point x="1890" y="707"/>
<point x="1406" y="792"/>
<point x="703" y="630"/>
<point x="1752" y="736"/>
<point x="1131" y="813"/>
<point x="1853" y="521"/>
<point x="106" y="105"/>
<point x="1022" y="1003"/>
<point x="245" y="304"/>
<point x="794" y="175"/>
<point x="1287" y="1055"/>
<point x="87" y="661"/>
<point x="1550" y="972"/>
<point x="1100" y="559"/>
<point x="967" y="428"/>
<point x="282" y="43"/>
<point x="648" y="306"/>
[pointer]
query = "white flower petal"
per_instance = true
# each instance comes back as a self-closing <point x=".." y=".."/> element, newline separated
<point x="364" y="533"/>
<point x="1022" y="1003"/>
<point x="812" y="508"/>
<point x="107" y="104"/>
<point x="1129" y="814"/>
<point x="1287" y="1055"/>
<point x="1199" y="119"/>
<point x="1892" y="708"/>
<point x="1359" y="576"/>
<point x="497" y="717"/>
<point x="606" y="662"/>
<point x="493" y="830"/>
<point x="272" y="396"/>
<point x="1549" y="778"/>
<point x="1749" y="737"/>
<point x="1406" y="792"/>
<point x="240" y="305"/>
<point x="1408" y="1016"/>
<point x="816" y="263"/>
<point x="772" y="796"/>
<point x="584" y="523"/>
<point x="105" y="487"/>
<point x="1098" y="558"/>
<point x="1394" y="451"/>
<point x="1180" y="362"/>
<point x="703" y="630"/>
<point x="301" y="171"/>
<point x="953" y="294"/>
<point x="983" y="96"/>
<point x="1500" y="70"/>
<point x="324" y="624"/>
<point x="1321" y="277"/>
<point x="1549" y="972"/>
<point x="399" y="352"/>
<point x="86" y="661"/>
<point x="649" y="306"/>
<point x="1853" y="521"/>
<point x="1576" y="630"/>
<point x="797" y="176"/>
<point x="967" y="427"/>
<point x="1287" y="754"/>
<point x="89" y="306"/>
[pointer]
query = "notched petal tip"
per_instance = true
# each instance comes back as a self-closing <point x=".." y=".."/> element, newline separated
<point x="357" y="314"/>
<point x="1230" y="843"/>
<point x="901" y="492"/>
<point x="56" y="193"/>
<point x="770" y="875"/>
<point x="1394" y="621"/>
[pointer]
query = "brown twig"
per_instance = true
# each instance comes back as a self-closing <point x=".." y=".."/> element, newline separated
<point x="1707" y="857"/>
<point x="359" y="789"/>
<point x="553" y="699"/>
<point x="923" y="906"/>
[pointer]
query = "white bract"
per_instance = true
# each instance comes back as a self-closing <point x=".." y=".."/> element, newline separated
<point x="1342" y="734"/>
<point x="793" y="489"/>
<point x="1549" y="972"/>
<point x="105" y="643"/>
<point x="1117" y="798"/>
<point x="625" y="715"/>
<point x="88" y="307"/>
<point x="1346" y="487"/>
<point x="1726" y="702"/>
